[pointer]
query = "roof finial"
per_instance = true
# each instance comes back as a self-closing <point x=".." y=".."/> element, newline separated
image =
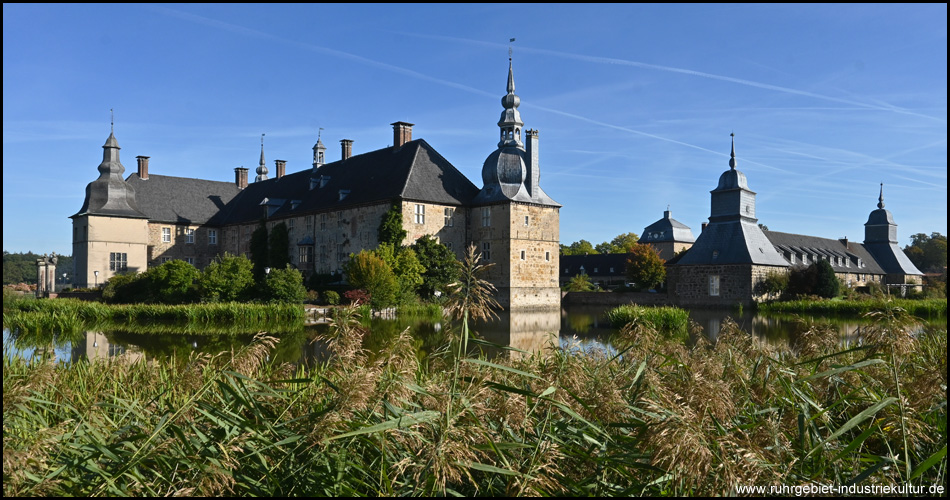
<point x="320" y="131"/>
<point x="880" y="199"/>
<point x="510" y="40"/>
<point x="111" y="121"/>
<point x="732" y="155"/>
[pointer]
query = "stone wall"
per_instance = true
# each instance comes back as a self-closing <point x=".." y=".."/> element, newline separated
<point x="615" y="298"/>
<point x="200" y="252"/>
<point x="448" y="229"/>
<point x="737" y="284"/>
<point x="97" y="237"/>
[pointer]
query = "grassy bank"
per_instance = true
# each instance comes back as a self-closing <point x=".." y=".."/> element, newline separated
<point x="659" y="419"/>
<point x="927" y="308"/>
<point x="71" y="315"/>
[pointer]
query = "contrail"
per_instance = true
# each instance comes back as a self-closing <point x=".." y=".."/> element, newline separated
<point x="740" y="81"/>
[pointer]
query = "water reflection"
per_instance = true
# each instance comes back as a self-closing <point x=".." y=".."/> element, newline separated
<point x="576" y="328"/>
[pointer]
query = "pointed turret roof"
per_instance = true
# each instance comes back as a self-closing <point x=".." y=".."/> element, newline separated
<point x="110" y="195"/>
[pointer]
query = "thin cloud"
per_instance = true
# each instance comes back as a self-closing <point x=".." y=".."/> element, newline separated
<point x="880" y="106"/>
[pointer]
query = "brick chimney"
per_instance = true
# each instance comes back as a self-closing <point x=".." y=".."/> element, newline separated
<point x="402" y="133"/>
<point x="347" y="148"/>
<point x="281" y="168"/>
<point x="240" y="177"/>
<point x="143" y="167"/>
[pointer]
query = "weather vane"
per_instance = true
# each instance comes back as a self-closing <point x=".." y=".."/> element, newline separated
<point x="262" y="141"/>
<point x="318" y="133"/>
<point x="111" y="121"/>
<point x="509" y="47"/>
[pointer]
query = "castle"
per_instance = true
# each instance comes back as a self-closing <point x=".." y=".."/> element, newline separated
<point x="332" y="210"/>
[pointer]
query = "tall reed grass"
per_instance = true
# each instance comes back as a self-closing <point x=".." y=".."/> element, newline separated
<point x="658" y="418"/>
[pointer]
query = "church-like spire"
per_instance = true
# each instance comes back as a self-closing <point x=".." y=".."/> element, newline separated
<point x="732" y="156"/>
<point x="261" y="167"/>
<point x="880" y="199"/>
<point x="510" y="121"/>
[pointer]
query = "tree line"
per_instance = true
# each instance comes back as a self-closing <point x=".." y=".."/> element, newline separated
<point x="21" y="268"/>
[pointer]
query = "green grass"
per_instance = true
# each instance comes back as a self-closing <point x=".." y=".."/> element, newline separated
<point x="671" y="320"/>
<point x="927" y="308"/>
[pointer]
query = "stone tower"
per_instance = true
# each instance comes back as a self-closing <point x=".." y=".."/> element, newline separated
<point x="880" y="239"/>
<point x="110" y="234"/>
<point x="513" y="222"/>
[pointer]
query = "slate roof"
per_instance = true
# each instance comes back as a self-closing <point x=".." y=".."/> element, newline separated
<point x="667" y="229"/>
<point x="571" y="264"/>
<point x="732" y="242"/>
<point x="414" y="171"/>
<point x="851" y="257"/>
<point x="891" y="258"/>
<point x="181" y="200"/>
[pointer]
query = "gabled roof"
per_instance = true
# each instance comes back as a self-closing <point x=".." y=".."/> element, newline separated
<point x="891" y="258"/>
<point x="827" y="249"/>
<point x="414" y="171"/>
<point x="181" y="200"/>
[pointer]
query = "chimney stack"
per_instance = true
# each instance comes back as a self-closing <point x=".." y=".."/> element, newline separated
<point x="534" y="168"/>
<point x="143" y="167"/>
<point x="281" y="167"/>
<point x="402" y="133"/>
<point x="240" y="177"/>
<point x="347" y="148"/>
<point x="703" y="228"/>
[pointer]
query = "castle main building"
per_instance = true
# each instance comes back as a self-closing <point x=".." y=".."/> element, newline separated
<point x="332" y="210"/>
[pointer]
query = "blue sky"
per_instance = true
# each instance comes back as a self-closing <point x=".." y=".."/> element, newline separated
<point x="634" y="103"/>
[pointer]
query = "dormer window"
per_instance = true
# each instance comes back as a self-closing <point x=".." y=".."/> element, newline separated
<point x="344" y="193"/>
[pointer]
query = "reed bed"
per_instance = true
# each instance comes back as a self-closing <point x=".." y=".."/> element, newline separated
<point x="71" y="315"/>
<point x="671" y="320"/>
<point x="923" y="308"/>
<point x="659" y="418"/>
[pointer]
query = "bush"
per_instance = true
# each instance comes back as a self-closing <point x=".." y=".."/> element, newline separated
<point x="580" y="283"/>
<point x="228" y="278"/>
<point x="331" y="297"/>
<point x="285" y="286"/>
<point x="368" y="271"/>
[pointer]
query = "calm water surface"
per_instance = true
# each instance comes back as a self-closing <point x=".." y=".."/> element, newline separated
<point x="574" y="327"/>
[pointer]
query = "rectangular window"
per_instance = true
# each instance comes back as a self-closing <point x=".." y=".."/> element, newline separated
<point x="420" y="214"/>
<point x="448" y="245"/>
<point x="611" y="270"/>
<point x="190" y="260"/>
<point x="323" y="222"/>
<point x="486" y="216"/>
<point x="340" y="256"/>
<point x="305" y="254"/>
<point x="212" y="237"/>
<point x="166" y="235"/>
<point x="714" y="285"/>
<point x="166" y="259"/>
<point x="118" y="261"/>
<point x="323" y="253"/>
<point x="486" y="251"/>
<point x="526" y="219"/>
<point x="449" y="212"/>
<point x="291" y="225"/>
<point x="308" y="222"/>
<point x="547" y="256"/>
<point x="189" y="235"/>
<point x="523" y="255"/>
